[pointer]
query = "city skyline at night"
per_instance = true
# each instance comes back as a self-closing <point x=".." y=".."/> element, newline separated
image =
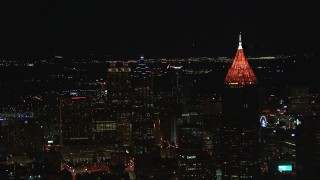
<point x="155" y="90"/>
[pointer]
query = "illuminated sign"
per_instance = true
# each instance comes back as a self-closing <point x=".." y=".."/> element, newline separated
<point x="191" y="157"/>
<point x="285" y="167"/>
<point x="73" y="93"/>
<point x="78" y="97"/>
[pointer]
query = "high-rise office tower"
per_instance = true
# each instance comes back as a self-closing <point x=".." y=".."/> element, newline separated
<point x="308" y="133"/>
<point x="308" y="147"/>
<point x="176" y="100"/>
<point x="105" y="128"/>
<point x="142" y="121"/>
<point x="87" y="134"/>
<point x="238" y="153"/>
<point x="119" y="98"/>
<point x="193" y="163"/>
<point x="84" y="118"/>
<point x="77" y="124"/>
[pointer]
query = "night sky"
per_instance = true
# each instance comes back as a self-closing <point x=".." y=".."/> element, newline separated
<point x="157" y="28"/>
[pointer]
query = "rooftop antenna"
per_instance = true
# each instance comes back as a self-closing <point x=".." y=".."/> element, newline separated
<point x="240" y="42"/>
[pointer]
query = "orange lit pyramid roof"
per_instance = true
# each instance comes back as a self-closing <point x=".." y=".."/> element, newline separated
<point x="240" y="72"/>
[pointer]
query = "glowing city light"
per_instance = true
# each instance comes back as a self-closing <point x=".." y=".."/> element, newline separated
<point x="285" y="167"/>
<point x="263" y="121"/>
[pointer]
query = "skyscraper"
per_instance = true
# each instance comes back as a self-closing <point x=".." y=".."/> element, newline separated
<point x="238" y="153"/>
<point x="142" y="121"/>
<point x="77" y="121"/>
<point x="119" y="98"/>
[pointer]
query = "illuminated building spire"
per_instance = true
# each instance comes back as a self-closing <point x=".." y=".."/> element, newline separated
<point x="240" y="43"/>
<point x="240" y="72"/>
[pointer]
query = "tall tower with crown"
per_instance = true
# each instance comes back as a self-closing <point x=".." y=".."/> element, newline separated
<point x="240" y="72"/>
<point x="239" y="128"/>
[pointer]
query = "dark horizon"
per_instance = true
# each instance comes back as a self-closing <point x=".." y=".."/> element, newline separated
<point x="156" y="29"/>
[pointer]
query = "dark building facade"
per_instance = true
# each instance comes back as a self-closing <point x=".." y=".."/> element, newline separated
<point x="143" y="108"/>
<point x="193" y="162"/>
<point x="237" y="157"/>
<point x="76" y="119"/>
<point x="119" y="99"/>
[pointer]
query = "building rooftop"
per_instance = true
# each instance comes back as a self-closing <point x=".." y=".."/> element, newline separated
<point x="240" y="72"/>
